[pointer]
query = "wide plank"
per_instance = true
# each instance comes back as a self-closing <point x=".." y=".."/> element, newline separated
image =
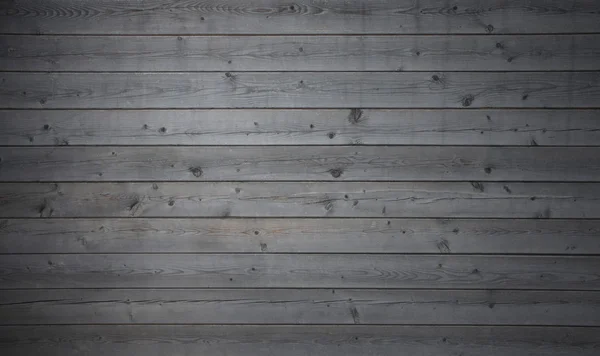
<point x="296" y="340"/>
<point x="459" y="236"/>
<point x="300" y="53"/>
<point x="294" y="163"/>
<point x="298" y="17"/>
<point x="299" y="270"/>
<point x="299" y="306"/>
<point x="324" y="199"/>
<point x="300" y="127"/>
<point x="300" y="90"/>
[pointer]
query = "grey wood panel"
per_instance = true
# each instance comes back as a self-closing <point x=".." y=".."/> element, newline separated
<point x="300" y="236"/>
<point x="347" y="199"/>
<point x="301" y="90"/>
<point x="300" y="127"/>
<point x="299" y="306"/>
<point x="315" y="17"/>
<point x="299" y="270"/>
<point x="294" y="163"/>
<point x="295" y="340"/>
<point x="300" y="53"/>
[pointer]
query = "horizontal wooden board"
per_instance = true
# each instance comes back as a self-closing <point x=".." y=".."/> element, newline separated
<point x="329" y="199"/>
<point x="155" y="340"/>
<point x="299" y="306"/>
<point x="300" y="127"/>
<point x="300" y="90"/>
<point x="294" y="271"/>
<point x="300" y="236"/>
<point x="314" y="17"/>
<point x="300" y="53"/>
<point x="295" y="163"/>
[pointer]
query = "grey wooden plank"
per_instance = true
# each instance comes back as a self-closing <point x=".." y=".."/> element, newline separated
<point x="300" y="127"/>
<point x="328" y="199"/>
<point x="299" y="270"/>
<point x="314" y="17"/>
<point x="300" y="90"/>
<point x="299" y="306"/>
<point x="96" y="340"/>
<point x="300" y="236"/>
<point x="300" y="53"/>
<point x="293" y="163"/>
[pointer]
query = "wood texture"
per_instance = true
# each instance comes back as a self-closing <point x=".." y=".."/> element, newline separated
<point x="300" y="236"/>
<point x="300" y="53"/>
<point x="293" y="163"/>
<point x="154" y="340"/>
<point x="314" y="17"/>
<point x="300" y="306"/>
<point x="306" y="270"/>
<point x="300" y="90"/>
<point x="348" y="199"/>
<point x="300" y="127"/>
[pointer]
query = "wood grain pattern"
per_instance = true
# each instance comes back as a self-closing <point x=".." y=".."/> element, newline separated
<point x="300" y="236"/>
<point x="155" y="340"/>
<point x="339" y="199"/>
<point x="300" y="53"/>
<point x="293" y="270"/>
<point x="315" y="17"/>
<point x="300" y="90"/>
<point x="300" y="306"/>
<point x="294" y="163"/>
<point x="300" y="127"/>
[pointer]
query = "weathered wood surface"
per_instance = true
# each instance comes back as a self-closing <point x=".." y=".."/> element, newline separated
<point x="294" y="270"/>
<point x="329" y="199"/>
<point x="300" y="236"/>
<point x="300" y="53"/>
<point x="301" y="127"/>
<point x="296" y="340"/>
<point x="314" y="17"/>
<point x="299" y="306"/>
<point x="296" y="163"/>
<point x="301" y="90"/>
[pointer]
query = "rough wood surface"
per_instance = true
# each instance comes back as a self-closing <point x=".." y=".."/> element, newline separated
<point x="300" y="53"/>
<point x="300" y="90"/>
<point x="301" y="127"/>
<point x="296" y="163"/>
<point x="155" y="340"/>
<point x="300" y="236"/>
<point x="328" y="199"/>
<point x="299" y="306"/>
<point x="299" y="270"/>
<point x="314" y="17"/>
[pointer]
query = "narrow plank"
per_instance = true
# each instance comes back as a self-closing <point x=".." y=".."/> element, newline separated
<point x="293" y="163"/>
<point x="300" y="127"/>
<point x="300" y="53"/>
<point x="333" y="199"/>
<point x="299" y="270"/>
<point x="314" y="17"/>
<point x="300" y="236"/>
<point x="299" y="306"/>
<point x="300" y="90"/>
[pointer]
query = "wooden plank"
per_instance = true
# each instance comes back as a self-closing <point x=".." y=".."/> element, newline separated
<point x="314" y="17"/>
<point x="299" y="270"/>
<point x="339" y="199"/>
<point x="300" y="90"/>
<point x="300" y="236"/>
<point x="154" y="340"/>
<point x="300" y="53"/>
<point x="300" y="127"/>
<point x="293" y="163"/>
<point x="299" y="306"/>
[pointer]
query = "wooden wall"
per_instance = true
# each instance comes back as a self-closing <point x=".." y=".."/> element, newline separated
<point x="313" y="177"/>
